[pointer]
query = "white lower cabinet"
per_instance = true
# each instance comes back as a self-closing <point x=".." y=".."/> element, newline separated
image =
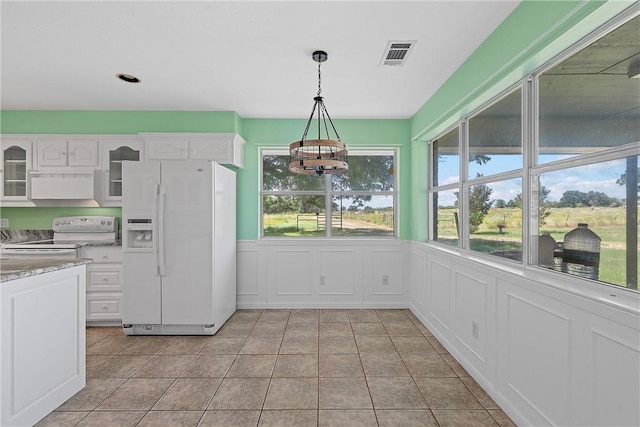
<point x="42" y="351"/>
<point x="104" y="284"/>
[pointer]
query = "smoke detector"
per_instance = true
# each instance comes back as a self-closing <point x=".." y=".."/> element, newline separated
<point x="396" y="52"/>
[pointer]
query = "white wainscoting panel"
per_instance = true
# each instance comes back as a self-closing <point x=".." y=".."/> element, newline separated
<point x="293" y="272"/>
<point x="248" y="283"/>
<point x="321" y="273"/>
<point x="538" y="352"/>
<point x="418" y="278"/>
<point x="386" y="265"/>
<point x="247" y="277"/>
<point x="471" y="312"/>
<point x="552" y="349"/>
<point x="338" y="273"/>
<point x="439" y="291"/>
<point x="615" y="390"/>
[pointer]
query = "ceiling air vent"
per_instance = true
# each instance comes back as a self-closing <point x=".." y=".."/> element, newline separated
<point x="396" y="52"/>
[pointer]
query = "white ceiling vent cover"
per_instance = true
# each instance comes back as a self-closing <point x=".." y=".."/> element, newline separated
<point x="396" y="52"/>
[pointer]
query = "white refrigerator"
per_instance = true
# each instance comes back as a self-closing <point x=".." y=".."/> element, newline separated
<point x="179" y="246"/>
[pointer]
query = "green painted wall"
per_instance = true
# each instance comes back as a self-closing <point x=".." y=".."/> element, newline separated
<point x="533" y="34"/>
<point x="257" y="132"/>
<point x="531" y="27"/>
<point x="116" y="122"/>
<point x="41" y="218"/>
<point x="279" y="133"/>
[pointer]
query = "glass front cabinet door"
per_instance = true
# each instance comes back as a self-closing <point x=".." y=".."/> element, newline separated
<point x="116" y="152"/>
<point x="16" y="162"/>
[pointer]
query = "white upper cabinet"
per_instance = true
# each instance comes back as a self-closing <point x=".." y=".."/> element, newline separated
<point x="56" y="152"/>
<point x="113" y="153"/>
<point x="15" y="162"/>
<point x="69" y="170"/>
<point x="224" y="148"/>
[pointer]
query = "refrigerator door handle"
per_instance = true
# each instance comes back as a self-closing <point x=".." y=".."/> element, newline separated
<point x="161" y="264"/>
<point x="156" y="233"/>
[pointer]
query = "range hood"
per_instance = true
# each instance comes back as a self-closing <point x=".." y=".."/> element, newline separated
<point x="67" y="186"/>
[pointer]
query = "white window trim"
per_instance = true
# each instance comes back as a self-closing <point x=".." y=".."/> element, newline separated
<point x="328" y="193"/>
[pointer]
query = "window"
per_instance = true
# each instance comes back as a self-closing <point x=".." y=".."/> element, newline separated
<point x="495" y="226"/>
<point x="588" y="102"/>
<point x="495" y="137"/>
<point x="572" y="182"/>
<point x="445" y="181"/>
<point x="358" y="203"/>
<point x="591" y="200"/>
<point x="493" y="187"/>
<point x="446" y="163"/>
<point x="446" y="227"/>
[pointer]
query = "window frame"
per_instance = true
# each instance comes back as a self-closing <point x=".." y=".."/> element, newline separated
<point x="530" y="170"/>
<point x="329" y="193"/>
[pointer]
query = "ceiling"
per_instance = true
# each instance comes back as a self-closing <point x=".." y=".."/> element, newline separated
<point x="251" y="57"/>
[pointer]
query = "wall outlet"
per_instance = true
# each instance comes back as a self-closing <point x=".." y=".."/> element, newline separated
<point x="385" y="280"/>
<point x="323" y="280"/>
<point x="4" y="223"/>
<point x="475" y="330"/>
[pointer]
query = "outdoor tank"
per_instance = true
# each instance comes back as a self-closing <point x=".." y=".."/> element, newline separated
<point x="581" y="252"/>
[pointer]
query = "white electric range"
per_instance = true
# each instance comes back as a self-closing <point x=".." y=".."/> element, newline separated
<point x="69" y="234"/>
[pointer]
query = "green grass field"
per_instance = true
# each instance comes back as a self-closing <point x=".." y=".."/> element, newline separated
<point x="608" y="223"/>
<point x="374" y="224"/>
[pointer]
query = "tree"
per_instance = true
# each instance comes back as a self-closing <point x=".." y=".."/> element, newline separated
<point x="366" y="173"/>
<point x="516" y="202"/>
<point x="596" y="198"/>
<point x="544" y="210"/>
<point x="623" y="179"/>
<point x="543" y="206"/>
<point x="279" y="204"/>
<point x="573" y="198"/>
<point x="500" y="204"/>
<point x="277" y="176"/>
<point x="480" y="159"/>
<point x="479" y="205"/>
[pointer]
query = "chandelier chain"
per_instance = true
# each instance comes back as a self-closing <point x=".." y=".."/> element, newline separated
<point x="319" y="80"/>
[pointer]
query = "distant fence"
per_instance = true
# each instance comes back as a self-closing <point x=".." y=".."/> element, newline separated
<point x="319" y="219"/>
<point x="451" y="222"/>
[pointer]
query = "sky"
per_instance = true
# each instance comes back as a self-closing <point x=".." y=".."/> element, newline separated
<point x="599" y="177"/>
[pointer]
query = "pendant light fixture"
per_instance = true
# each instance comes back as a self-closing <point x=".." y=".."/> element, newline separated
<point x="322" y="155"/>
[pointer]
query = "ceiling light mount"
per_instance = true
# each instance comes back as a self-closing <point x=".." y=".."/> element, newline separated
<point x="129" y="78"/>
<point x="322" y="155"/>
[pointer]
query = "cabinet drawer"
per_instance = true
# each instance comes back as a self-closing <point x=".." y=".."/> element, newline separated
<point x="104" y="307"/>
<point x="104" y="279"/>
<point x="103" y="254"/>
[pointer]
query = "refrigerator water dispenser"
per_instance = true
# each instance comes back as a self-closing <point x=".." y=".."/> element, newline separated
<point x="139" y="233"/>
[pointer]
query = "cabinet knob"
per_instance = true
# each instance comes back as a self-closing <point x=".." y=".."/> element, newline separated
<point x="105" y="279"/>
<point x="104" y="308"/>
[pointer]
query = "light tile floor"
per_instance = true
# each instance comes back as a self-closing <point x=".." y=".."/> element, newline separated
<point x="280" y="368"/>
